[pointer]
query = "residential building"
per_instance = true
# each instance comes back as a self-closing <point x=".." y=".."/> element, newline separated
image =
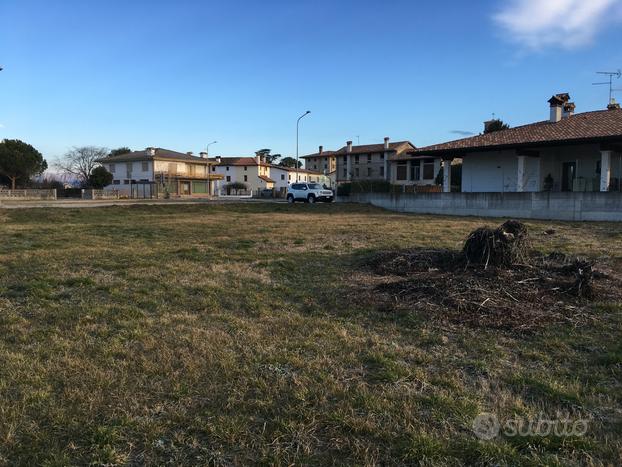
<point x="324" y="162"/>
<point x="158" y="172"/>
<point x="567" y="152"/>
<point x="257" y="174"/>
<point x="370" y="162"/>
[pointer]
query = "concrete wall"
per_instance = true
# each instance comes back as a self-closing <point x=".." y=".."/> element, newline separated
<point x="543" y="205"/>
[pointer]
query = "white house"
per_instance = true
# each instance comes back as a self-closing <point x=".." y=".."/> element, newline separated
<point x="568" y="152"/>
<point x="257" y="174"/>
<point x="157" y="172"/>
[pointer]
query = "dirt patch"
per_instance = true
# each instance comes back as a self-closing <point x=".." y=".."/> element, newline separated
<point x="496" y="282"/>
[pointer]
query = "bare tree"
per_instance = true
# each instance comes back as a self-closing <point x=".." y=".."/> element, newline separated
<point x="80" y="162"/>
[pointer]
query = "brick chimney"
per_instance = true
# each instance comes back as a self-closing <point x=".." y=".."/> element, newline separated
<point x="386" y="142"/>
<point x="557" y="102"/>
<point x="320" y="149"/>
<point x="349" y="148"/>
<point x="568" y="109"/>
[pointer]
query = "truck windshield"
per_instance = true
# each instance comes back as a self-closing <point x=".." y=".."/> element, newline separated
<point x="314" y="186"/>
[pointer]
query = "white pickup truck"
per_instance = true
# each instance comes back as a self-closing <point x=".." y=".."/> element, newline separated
<point x="308" y="192"/>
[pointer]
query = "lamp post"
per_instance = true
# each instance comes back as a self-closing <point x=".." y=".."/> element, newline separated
<point x="207" y="147"/>
<point x="297" y="131"/>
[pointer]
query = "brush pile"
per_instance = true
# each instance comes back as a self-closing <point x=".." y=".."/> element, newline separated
<point x="506" y="245"/>
<point x="496" y="281"/>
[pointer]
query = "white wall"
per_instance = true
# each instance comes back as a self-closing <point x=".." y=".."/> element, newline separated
<point x="496" y="171"/>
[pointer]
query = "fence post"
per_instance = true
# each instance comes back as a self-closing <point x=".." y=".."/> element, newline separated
<point x="54" y="194"/>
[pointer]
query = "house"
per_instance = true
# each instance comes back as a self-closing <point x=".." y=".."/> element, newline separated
<point x="257" y="174"/>
<point x="158" y="172"/>
<point x="572" y="152"/>
<point x="370" y="161"/>
<point x="324" y="162"/>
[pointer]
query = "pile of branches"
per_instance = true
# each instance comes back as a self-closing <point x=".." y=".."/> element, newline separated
<point x="496" y="281"/>
<point x="506" y="245"/>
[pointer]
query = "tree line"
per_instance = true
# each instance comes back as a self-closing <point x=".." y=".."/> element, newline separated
<point x="20" y="162"/>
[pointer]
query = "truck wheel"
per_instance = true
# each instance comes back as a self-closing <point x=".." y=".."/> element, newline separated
<point x="290" y="199"/>
<point x="311" y="199"/>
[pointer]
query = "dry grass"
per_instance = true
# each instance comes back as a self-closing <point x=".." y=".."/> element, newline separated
<point x="226" y="335"/>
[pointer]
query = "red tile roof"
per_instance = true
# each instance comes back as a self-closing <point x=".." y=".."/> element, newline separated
<point x="317" y="154"/>
<point x="601" y="125"/>
<point x="160" y="154"/>
<point x="236" y="161"/>
<point x="265" y="178"/>
<point x="397" y="147"/>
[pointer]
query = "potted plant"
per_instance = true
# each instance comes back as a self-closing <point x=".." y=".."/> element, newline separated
<point x="548" y="182"/>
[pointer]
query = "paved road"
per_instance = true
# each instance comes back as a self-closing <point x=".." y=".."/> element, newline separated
<point x="86" y="203"/>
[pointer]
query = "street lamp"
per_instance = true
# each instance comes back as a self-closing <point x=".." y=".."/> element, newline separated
<point x="207" y="147"/>
<point x="297" y="130"/>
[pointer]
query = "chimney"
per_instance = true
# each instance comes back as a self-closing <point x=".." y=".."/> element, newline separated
<point x="258" y="159"/>
<point x="151" y="151"/>
<point x="321" y="150"/>
<point x="568" y="109"/>
<point x="203" y="155"/>
<point x="349" y="148"/>
<point x="557" y="102"/>
<point x="218" y="159"/>
<point x="613" y="105"/>
<point x="386" y="142"/>
<point x="189" y="153"/>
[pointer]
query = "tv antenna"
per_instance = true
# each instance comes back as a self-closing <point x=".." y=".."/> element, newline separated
<point x="611" y="75"/>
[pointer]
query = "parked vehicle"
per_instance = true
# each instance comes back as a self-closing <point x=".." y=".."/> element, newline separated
<point x="308" y="192"/>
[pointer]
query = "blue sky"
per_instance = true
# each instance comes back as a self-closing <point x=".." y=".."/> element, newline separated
<point x="179" y="74"/>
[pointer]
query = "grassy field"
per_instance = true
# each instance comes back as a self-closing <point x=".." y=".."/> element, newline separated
<point x="227" y="334"/>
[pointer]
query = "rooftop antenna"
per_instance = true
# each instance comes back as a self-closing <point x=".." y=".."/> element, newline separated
<point x="611" y="74"/>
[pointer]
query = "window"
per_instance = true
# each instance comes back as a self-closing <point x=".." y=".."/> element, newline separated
<point x="325" y="166"/>
<point x="356" y="159"/>
<point x="356" y="172"/>
<point x="282" y="176"/>
<point x="145" y="166"/>
<point x="369" y="171"/>
<point x="228" y="177"/>
<point x="382" y="171"/>
<point x="289" y="177"/>
<point x="245" y="168"/>
<point x="111" y="168"/>
<point x="126" y="182"/>
<point x="213" y="168"/>
<point x="382" y="156"/>
<point x="116" y="182"/>
<point x="345" y="159"/>
<point x="401" y="171"/>
<point x="345" y="173"/>
<point x="227" y="168"/>
<point x="368" y="157"/>
<point x="415" y="170"/>
<point x="428" y="169"/>
<point x="598" y="167"/>
<point x="246" y="178"/>
<point x="128" y="167"/>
